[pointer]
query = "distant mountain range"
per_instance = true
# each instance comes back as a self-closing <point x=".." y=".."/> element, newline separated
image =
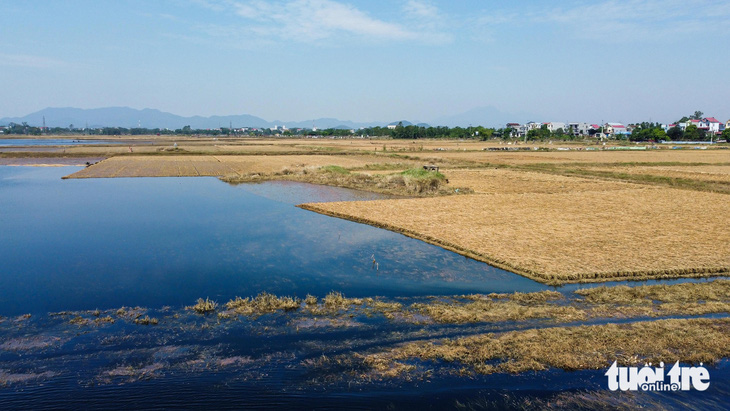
<point x="152" y="118"/>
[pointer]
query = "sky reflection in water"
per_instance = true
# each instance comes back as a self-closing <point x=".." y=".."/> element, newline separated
<point x="101" y="243"/>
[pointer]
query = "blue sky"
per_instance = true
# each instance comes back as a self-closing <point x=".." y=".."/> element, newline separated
<point x="419" y="60"/>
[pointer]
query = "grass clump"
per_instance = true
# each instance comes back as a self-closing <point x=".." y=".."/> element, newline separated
<point x="335" y="300"/>
<point x="203" y="306"/>
<point x="146" y="320"/>
<point x="310" y="300"/>
<point x="78" y="320"/>
<point x="420" y="180"/>
<point x="262" y="304"/>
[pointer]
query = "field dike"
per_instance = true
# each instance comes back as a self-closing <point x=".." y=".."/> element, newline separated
<point x="412" y="182"/>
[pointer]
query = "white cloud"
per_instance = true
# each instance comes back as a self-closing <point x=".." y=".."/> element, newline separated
<point x="313" y="21"/>
<point x="630" y="20"/>
<point x="421" y="9"/>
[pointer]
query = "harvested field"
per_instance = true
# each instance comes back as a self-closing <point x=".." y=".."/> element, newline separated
<point x="191" y="166"/>
<point x="566" y="237"/>
<point x="584" y="156"/>
<point x="500" y="180"/>
<point x="715" y="173"/>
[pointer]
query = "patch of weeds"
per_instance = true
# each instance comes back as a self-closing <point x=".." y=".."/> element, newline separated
<point x="262" y="304"/>
<point x="146" y="320"/>
<point x="203" y="306"/>
<point x="310" y="300"/>
<point x="335" y="170"/>
<point x="335" y="300"/>
<point x="78" y="320"/>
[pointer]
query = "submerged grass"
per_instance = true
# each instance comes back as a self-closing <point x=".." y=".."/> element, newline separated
<point x="602" y="302"/>
<point x="262" y="304"/>
<point x="718" y="290"/>
<point x="203" y="306"/>
<point x="572" y="348"/>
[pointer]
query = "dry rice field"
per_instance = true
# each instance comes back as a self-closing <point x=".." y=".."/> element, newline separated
<point x="566" y="236"/>
<point x="506" y="181"/>
<point x="716" y="173"/>
<point x="193" y="166"/>
<point x="555" y="157"/>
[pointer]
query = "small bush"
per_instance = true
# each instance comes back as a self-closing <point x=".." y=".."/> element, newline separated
<point x="203" y="306"/>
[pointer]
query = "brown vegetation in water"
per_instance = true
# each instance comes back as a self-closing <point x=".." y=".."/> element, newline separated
<point x="262" y="304"/>
<point x="203" y="306"/>
<point x="572" y="348"/>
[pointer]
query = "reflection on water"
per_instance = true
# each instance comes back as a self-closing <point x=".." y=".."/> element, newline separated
<point x="10" y="142"/>
<point x="100" y="243"/>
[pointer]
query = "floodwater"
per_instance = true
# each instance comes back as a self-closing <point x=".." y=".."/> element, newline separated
<point x="103" y="243"/>
<point x="160" y="243"/>
<point x="11" y="142"/>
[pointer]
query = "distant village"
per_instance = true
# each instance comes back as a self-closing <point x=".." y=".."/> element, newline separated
<point x="708" y="127"/>
<point x="695" y="128"/>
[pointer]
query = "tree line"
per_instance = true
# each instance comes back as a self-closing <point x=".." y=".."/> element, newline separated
<point x="645" y="131"/>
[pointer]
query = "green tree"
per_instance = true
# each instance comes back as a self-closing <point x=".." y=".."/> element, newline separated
<point x="726" y="134"/>
<point x="692" y="133"/>
<point x="697" y="115"/>
<point x="675" y="134"/>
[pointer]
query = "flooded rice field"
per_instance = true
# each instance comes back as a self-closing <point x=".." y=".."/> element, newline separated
<point x="96" y="276"/>
<point x="103" y="243"/>
<point x="31" y="142"/>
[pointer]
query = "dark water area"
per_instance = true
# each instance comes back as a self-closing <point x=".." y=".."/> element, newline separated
<point x="12" y="142"/>
<point x="199" y="362"/>
<point x="103" y="243"/>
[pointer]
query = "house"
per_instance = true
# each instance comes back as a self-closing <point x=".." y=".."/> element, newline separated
<point x="392" y="126"/>
<point x="532" y="125"/>
<point x="686" y="124"/>
<point x="579" y="129"/>
<point x="711" y="124"/>
<point x="615" y="129"/>
<point x="727" y="124"/>
<point x="555" y="126"/>
<point x="518" y="130"/>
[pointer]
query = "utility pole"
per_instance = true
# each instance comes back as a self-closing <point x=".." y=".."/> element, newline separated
<point x="44" y="124"/>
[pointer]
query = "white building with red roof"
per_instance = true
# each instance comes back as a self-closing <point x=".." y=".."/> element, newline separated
<point x="615" y="129"/>
<point x="711" y="124"/>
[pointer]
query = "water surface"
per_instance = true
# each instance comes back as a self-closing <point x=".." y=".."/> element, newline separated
<point x="102" y="243"/>
<point x="10" y="142"/>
